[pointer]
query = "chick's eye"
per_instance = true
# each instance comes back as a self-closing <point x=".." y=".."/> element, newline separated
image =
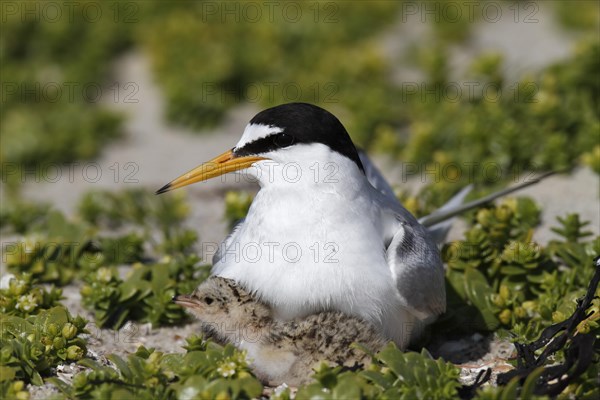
<point x="283" y="140"/>
<point x="208" y="300"/>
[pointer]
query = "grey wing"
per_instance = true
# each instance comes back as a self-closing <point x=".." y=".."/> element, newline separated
<point x="376" y="179"/>
<point x="440" y="221"/>
<point x="412" y="253"/>
<point x="416" y="265"/>
<point x="226" y="243"/>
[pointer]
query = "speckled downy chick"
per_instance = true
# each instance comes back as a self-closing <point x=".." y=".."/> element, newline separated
<point x="279" y="351"/>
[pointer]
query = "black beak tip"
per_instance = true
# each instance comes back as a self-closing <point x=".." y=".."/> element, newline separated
<point x="164" y="189"/>
<point x="174" y="299"/>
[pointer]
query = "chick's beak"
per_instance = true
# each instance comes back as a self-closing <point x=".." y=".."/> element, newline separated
<point x="184" y="300"/>
<point x="220" y="165"/>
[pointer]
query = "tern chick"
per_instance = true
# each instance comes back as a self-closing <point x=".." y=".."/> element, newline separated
<point x="279" y="351"/>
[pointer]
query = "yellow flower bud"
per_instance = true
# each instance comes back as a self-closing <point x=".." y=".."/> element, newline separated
<point x="74" y="353"/>
<point x="22" y="395"/>
<point x="520" y="312"/>
<point x="69" y="331"/>
<point x="484" y="217"/>
<point x="223" y="396"/>
<point x="505" y="317"/>
<point x="504" y="292"/>
<point x="503" y="214"/>
<point x="59" y="343"/>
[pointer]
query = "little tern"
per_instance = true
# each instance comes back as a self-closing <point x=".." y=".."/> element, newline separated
<point x="321" y="233"/>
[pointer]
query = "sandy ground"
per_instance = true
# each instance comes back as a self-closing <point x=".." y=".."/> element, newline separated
<point x="159" y="152"/>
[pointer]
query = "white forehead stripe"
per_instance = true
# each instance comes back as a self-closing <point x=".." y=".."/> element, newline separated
<point x="256" y="131"/>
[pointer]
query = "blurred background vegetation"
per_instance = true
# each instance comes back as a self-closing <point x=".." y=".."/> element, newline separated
<point x="207" y="61"/>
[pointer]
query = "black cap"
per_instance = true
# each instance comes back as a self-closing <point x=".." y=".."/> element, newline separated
<point x="301" y="123"/>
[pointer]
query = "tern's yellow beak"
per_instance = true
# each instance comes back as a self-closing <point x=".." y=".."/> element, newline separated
<point x="226" y="162"/>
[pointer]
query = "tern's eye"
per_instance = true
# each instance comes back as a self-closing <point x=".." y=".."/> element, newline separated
<point x="283" y="140"/>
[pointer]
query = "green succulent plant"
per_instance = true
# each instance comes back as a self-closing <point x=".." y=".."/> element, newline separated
<point x="209" y="372"/>
<point x="19" y="216"/>
<point x="145" y="294"/>
<point x="32" y="346"/>
<point x="508" y="280"/>
<point x="143" y="211"/>
<point x="394" y="374"/>
<point x="60" y="250"/>
<point x="22" y="298"/>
